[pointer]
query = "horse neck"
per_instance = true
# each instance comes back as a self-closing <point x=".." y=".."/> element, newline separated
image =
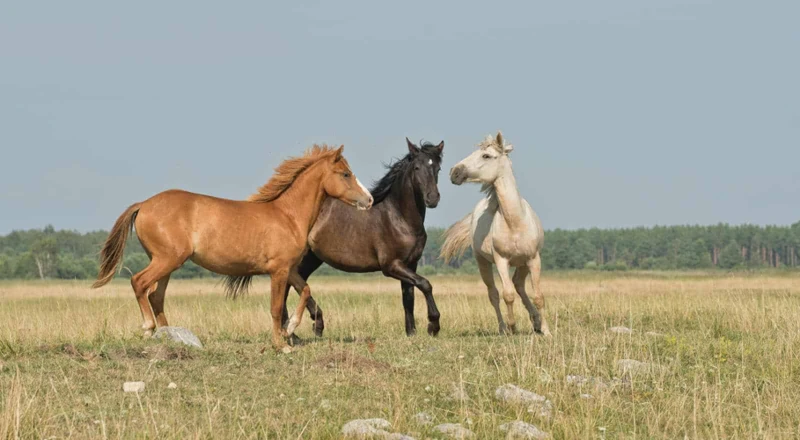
<point x="508" y="199"/>
<point x="302" y="201"/>
<point x="410" y="204"/>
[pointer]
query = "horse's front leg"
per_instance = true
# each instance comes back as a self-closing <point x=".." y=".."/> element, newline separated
<point x="399" y="271"/>
<point x="508" y="290"/>
<point x="279" y="279"/>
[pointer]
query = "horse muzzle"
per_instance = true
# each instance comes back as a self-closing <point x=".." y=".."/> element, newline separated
<point x="458" y="174"/>
<point x="365" y="204"/>
<point x="432" y="200"/>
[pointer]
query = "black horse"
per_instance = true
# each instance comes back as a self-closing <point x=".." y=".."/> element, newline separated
<point x="389" y="237"/>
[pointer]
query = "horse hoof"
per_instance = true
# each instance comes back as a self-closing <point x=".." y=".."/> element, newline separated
<point x="411" y="332"/>
<point x="318" y="328"/>
<point x="148" y="333"/>
<point x="294" y="340"/>
<point x="433" y="328"/>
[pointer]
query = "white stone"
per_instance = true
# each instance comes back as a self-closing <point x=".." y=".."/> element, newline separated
<point x="512" y="394"/>
<point x="178" y="334"/>
<point x="621" y="330"/>
<point x="520" y="430"/>
<point x="458" y="393"/>
<point x="454" y="430"/>
<point x="172" y="385"/>
<point x="631" y="367"/>
<point x="423" y="418"/>
<point x="370" y="429"/>
<point x="133" y="387"/>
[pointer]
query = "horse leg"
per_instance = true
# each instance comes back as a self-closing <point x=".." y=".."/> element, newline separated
<point x="306" y="267"/>
<point x="142" y="284"/>
<point x="520" y="275"/>
<point x="408" y="307"/>
<point x="305" y="293"/>
<point x="485" y="268"/>
<point x="399" y="271"/>
<point x="157" y="301"/>
<point x="278" y="280"/>
<point x="535" y="266"/>
<point x="508" y="290"/>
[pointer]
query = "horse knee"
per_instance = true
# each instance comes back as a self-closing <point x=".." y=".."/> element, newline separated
<point x="508" y="296"/>
<point x="425" y="286"/>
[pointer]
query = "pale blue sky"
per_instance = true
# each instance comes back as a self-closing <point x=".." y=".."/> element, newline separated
<point x="622" y="112"/>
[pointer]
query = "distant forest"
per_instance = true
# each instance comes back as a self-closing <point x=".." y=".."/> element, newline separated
<point x="51" y="254"/>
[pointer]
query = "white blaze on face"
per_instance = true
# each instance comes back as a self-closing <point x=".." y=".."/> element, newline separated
<point x="430" y="161"/>
<point x="366" y="191"/>
<point x="361" y="185"/>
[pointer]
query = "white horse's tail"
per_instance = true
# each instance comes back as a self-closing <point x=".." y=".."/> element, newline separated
<point x="457" y="239"/>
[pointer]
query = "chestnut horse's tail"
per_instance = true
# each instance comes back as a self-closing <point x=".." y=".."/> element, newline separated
<point x="111" y="255"/>
<point x="457" y="239"/>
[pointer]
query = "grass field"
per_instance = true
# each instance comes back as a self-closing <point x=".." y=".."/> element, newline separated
<point x="727" y="360"/>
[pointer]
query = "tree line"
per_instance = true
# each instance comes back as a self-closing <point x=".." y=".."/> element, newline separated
<point x="50" y="254"/>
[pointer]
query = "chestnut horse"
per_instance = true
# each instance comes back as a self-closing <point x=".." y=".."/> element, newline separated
<point x="267" y="234"/>
<point x="389" y="238"/>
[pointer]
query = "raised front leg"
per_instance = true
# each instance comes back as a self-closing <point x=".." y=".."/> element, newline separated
<point x="485" y="268"/>
<point x="306" y="267"/>
<point x="508" y="290"/>
<point x="399" y="271"/>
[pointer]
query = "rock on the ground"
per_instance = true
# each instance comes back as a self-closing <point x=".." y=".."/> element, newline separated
<point x="586" y="381"/>
<point x="457" y="393"/>
<point x="511" y="393"/>
<point x="178" y="334"/>
<point x="133" y="387"/>
<point x="515" y="395"/>
<point x="621" y="330"/>
<point x="370" y="429"/>
<point x="631" y="367"/>
<point x="423" y="418"/>
<point x="454" y="430"/>
<point x="172" y="385"/>
<point x="520" y="430"/>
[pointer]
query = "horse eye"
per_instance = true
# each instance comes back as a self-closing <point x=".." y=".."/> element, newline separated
<point x="486" y="156"/>
<point x="346" y="175"/>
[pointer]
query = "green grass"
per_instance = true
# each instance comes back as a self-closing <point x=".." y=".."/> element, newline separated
<point x="729" y="360"/>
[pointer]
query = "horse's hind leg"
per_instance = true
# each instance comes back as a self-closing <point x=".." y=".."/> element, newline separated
<point x="299" y="284"/>
<point x="142" y="284"/>
<point x="535" y="266"/>
<point x="157" y="301"/>
<point x="508" y="290"/>
<point x="520" y="276"/>
<point x="485" y="268"/>
<point x="306" y="267"/>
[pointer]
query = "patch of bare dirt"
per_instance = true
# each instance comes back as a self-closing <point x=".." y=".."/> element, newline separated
<point x="346" y="360"/>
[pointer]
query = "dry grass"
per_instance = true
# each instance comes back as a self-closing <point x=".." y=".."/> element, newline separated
<point x="729" y="360"/>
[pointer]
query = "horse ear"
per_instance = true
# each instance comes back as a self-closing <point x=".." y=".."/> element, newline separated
<point x="499" y="139"/>
<point x="413" y="149"/>
<point x="338" y="156"/>
<point x="440" y="148"/>
<point x="508" y="148"/>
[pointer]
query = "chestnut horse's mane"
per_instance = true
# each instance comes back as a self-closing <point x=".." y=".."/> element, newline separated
<point x="287" y="172"/>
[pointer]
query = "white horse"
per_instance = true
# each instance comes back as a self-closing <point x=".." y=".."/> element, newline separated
<point x="503" y="229"/>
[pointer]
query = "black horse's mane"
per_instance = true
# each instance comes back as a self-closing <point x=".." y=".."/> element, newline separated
<point x="397" y="169"/>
